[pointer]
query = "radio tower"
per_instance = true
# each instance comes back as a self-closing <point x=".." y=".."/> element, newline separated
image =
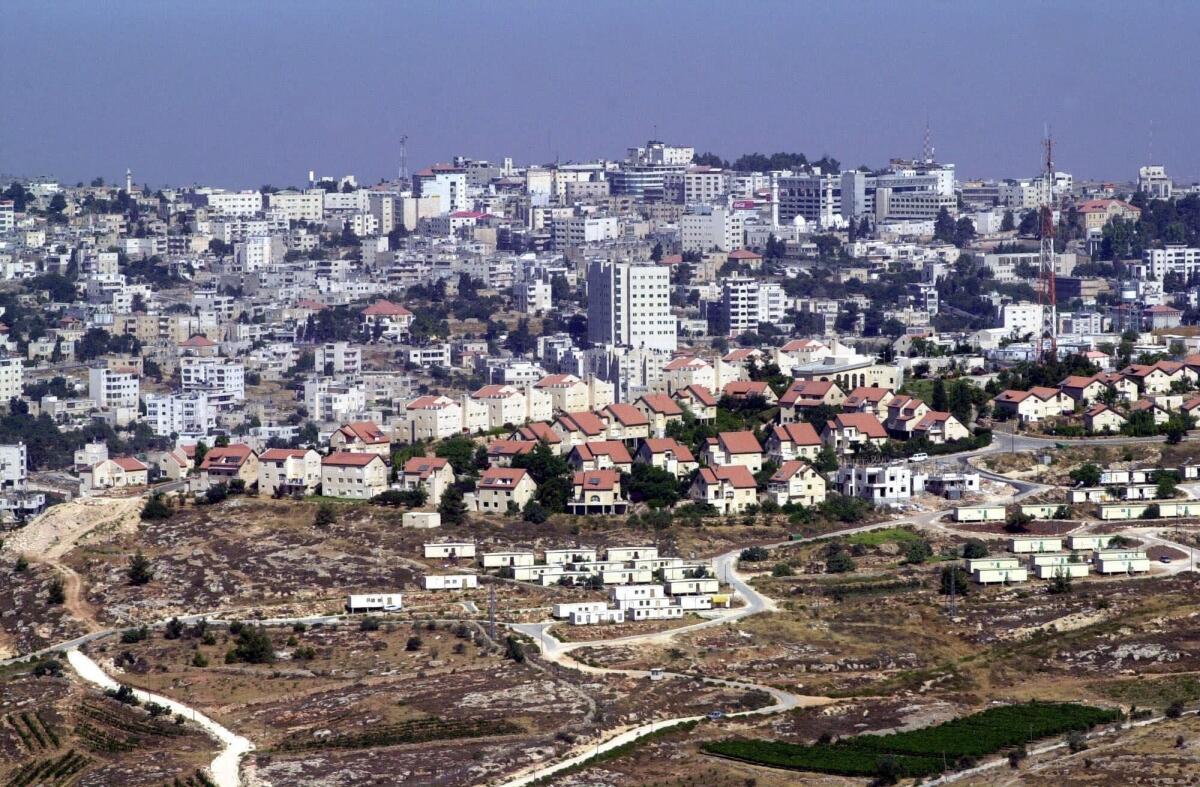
<point x="403" y="174"/>
<point x="1048" y="345"/>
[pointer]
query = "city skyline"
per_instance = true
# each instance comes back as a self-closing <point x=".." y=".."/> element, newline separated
<point x="184" y="96"/>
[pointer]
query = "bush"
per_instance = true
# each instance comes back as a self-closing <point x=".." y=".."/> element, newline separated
<point x="956" y="578"/>
<point x="513" y="649"/>
<point x="1175" y="710"/>
<point x="535" y="513"/>
<point x="414" y="643"/>
<point x="130" y="636"/>
<point x="140" y="569"/>
<point x="199" y="659"/>
<point x="754" y="554"/>
<point x="21" y="565"/>
<point x="123" y="694"/>
<point x="174" y="629"/>
<point x="304" y="653"/>
<point x="369" y="624"/>
<point x="216" y="494"/>
<point x="253" y="646"/>
<point x="57" y="594"/>
<point x="397" y="498"/>
<point x="782" y="570"/>
<point x="1076" y="742"/>
<point x="839" y="562"/>
<point x="156" y="508"/>
<point x="325" y="516"/>
<point x="918" y="552"/>
<point x="48" y="666"/>
<point x="974" y="549"/>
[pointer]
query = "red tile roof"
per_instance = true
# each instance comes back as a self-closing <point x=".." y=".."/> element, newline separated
<point x="350" y="459"/>
<point x="798" y="433"/>
<point x="739" y="443"/>
<point x="698" y="393"/>
<point x="501" y="477"/>
<point x="226" y="456"/>
<point x="364" y="432"/>
<point x="865" y="423"/>
<point x="626" y="414"/>
<point x="615" y="450"/>
<point x="738" y="476"/>
<point x="385" y="308"/>
<point x="129" y="464"/>
<point x="661" y="404"/>
<point x="583" y="421"/>
<point x="661" y="445"/>
<point x="603" y="480"/>
<point x="424" y="466"/>
<point x="282" y="454"/>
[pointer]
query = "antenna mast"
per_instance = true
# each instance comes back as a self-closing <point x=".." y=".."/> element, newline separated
<point x="403" y="159"/>
<point x="1048" y="345"/>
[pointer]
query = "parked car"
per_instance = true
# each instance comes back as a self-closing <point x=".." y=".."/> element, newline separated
<point x="716" y="715"/>
<point x="921" y="457"/>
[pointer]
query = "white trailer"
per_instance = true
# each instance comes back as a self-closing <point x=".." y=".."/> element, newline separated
<point x="502" y="559"/>
<point x="422" y="520"/>
<point x="451" y="581"/>
<point x="374" y="602"/>
<point x="449" y="550"/>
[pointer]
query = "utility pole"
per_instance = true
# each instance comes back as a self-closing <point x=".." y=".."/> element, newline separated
<point x="403" y="173"/>
<point x="492" y="612"/>
<point x="1047" y="298"/>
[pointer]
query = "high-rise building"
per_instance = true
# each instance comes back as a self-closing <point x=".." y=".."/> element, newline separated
<point x="816" y="198"/>
<point x="748" y="303"/>
<point x="629" y="304"/>
<point x="704" y="228"/>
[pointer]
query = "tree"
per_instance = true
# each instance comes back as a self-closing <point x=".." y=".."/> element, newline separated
<point x="253" y="646"/>
<point x="1166" y="486"/>
<point x="944" y="226"/>
<point x="452" y="508"/>
<point x="156" y="508"/>
<point x="1087" y="474"/>
<point x="141" y="571"/>
<point x="839" y="562"/>
<point x="1061" y="582"/>
<point x="656" y="254"/>
<point x="1008" y="223"/>
<point x="654" y="486"/>
<point x="954" y="578"/>
<point x="1017" y="522"/>
<point x="57" y="594"/>
<point x="325" y="516"/>
<point x="460" y="452"/>
<point x="216" y="493"/>
<point x="918" y="552"/>
<point x="974" y="549"/>
<point x="534" y="513"/>
<point x="826" y="461"/>
<point x="941" y="402"/>
<point x="513" y="649"/>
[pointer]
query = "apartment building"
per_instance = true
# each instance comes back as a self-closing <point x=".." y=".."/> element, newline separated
<point x="630" y="304"/>
<point x="353" y="475"/>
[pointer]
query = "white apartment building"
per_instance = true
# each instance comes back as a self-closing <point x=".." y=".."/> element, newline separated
<point x="236" y="203"/>
<point x="327" y="400"/>
<point x="658" y="154"/>
<point x="338" y="358"/>
<point x="448" y="184"/>
<point x="12" y="378"/>
<point x="433" y="418"/>
<point x="353" y="475"/>
<point x="8" y="216"/>
<point x="630" y="304"/>
<point x="879" y="483"/>
<point x="13" y="468"/>
<point x="1021" y="318"/>
<point x="299" y="206"/>
<point x="704" y="228"/>
<point x="747" y="303"/>
<point x="222" y="375"/>
<point x="1177" y="259"/>
<point x="574" y="231"/>
<point x="113" y="389"/>
<point x="533" y="296"/>
<point x="187" y="414"/>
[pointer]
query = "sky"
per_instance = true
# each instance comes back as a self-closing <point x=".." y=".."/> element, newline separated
<point x="254" y="92"/>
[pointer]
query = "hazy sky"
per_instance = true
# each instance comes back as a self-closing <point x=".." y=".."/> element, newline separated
<point x="256" y="91"/>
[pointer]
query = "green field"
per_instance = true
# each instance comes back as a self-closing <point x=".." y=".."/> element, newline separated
<point x="892" y="535"/>
<point x="926" y="751"/>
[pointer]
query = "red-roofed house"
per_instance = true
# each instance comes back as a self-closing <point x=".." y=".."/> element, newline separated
<point x="199" y="345"/>
<point x="868" y="399"/>
<point x="1158" y="378"/>
<point x="1161" y="316"/>
<point x="289" y="471"/>
<point x="730" y="489"/>
<point x="501" y="452"/>
<point x="597" y="492"/>
<point x="386" y="320"/>
<point x="903" y="414"/>
<point x="938" y="427"/>
<point x="805" y="395"/>
<point x="699" y="400"/>
<point x="626" y="422"/>
<point x="540" y="431"/>
<point x="580" y="427"/>
<point x="363" y="437"/>
<point x="116" y="473"/>
<point x="1034" y="405"/>
<point x="1084" y="390"/>
<point x="659" y="410"/>
<point x="793" y="441"/>
<point x="847" y="432"/>
<point x="601" y="455"/>
<point x="356" y="476"/>
<point x="800" y="352"/>
<point x="433" y="418"/>
<point x="431" y="473"/>
<point x="734" y="448"/>
<point x="1160" y="415"/>
<point x="1102" y="419"/>
<point x="224" y="465"/>
<point x="499" y="487"/>
<point x="1098" y="212"/>
<point x="741" y="390"/>
<point x="798" y="483"/>
<point x="570" y="394"/>
<point x="170" y="465"/>
<point x="668" y="454"/>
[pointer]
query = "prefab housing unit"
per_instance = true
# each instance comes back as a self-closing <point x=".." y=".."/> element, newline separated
<point x="626" y="576"/>
<point x="1040" y="511"/>
<point x="1089" y="542"/>
<point x="625" y="554"/>
<point x="1054" y="570"/>
<point x="450" y="549"/>
<point x="422" y="520"/>
<point x="980" y="514"/>
<point x="374" y="602"/>
<point x="637" y="591"/>
<point x="992" y="576"/>
<point x="564" y="611"/>
<point x="577" y="555"/>
<point x="654" y="613"/>
<point x="501" y="559"/>
<point x="451" y="581"/>
<point x="1120" y="561"/>
<point x="1025" y="545"/>
<point x="685" y="570"/>
<point x="533" y="573"/>
<point x="692" y="587"/>
<point x="572" y="577"/>
<point x="592" y="617"/>
<point x="695" y="602"/>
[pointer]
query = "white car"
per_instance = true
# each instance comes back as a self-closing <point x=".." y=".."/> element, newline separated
<point x="922" y="457"/>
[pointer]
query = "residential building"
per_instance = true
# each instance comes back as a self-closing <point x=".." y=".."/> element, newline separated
<point x="112" y="389"/>
<point x="798" y="483"/>
<point x="880" y="484"/>
<point x="734" y="448"/>
<point x="430" y="473"/>
<point x="667" y="454"/>
<point x="502" y="488"/>
<point x="731" y="489"/>
<point x="748" y="303"/>
<point x="362" y="437"/>
<point x="596" y="492"/>
<point x="629" y="304"/>
<point x="289" y="471"/>
<point x="226" y="464"/>
<point x="357" y="476"/>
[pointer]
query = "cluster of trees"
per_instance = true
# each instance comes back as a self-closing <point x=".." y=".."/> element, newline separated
<point x="946" y="229"/>
<point x="761" y="162"/>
